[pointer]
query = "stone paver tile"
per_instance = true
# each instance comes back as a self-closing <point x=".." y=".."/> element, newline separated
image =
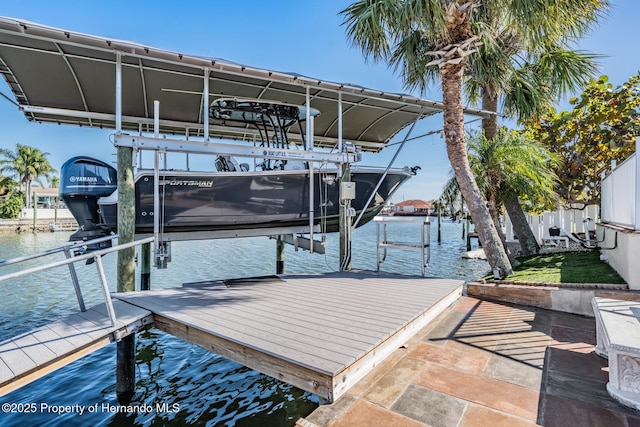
<point x="510" y="398"/>
<point x="390" y="386"/>
<point x="583" y="365"/>
<point x="563" y="334"/>
<point x="445" y="329"/>
<point x="479" y="323"/>
<point x="577" y="347"/>
<point x="377" y="373"/>
<point x="326" y="414"/>
<point x="574" y="321"/>
<point x="365" y="414"/>
<point x="485" y="345"/>
<point x="467" y="304"/>
<point x="485" y="342"/>
<point x="527" y="373"/>
<point x="430" y="407"/>
<point x="530" y="354"/>
<point x="588" y="391"/>
<point x="543" y="320"/>
<point x="470" y="362"/>
<point x="492" y="307"/>
<point x="526" y="338"/>
<point x="522" y="316"/>
<point x="476" y="416"/>
<point x="562" y="412"/>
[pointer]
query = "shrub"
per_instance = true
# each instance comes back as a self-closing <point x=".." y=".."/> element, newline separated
<point x="11" y="206"/>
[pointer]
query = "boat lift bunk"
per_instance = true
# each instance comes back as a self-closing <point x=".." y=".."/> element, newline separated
<point x="83" y="68"/>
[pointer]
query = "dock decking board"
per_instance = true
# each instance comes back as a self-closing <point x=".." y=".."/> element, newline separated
<point x="321" y="333"/>
<point x="344" y="323"/>
<point x="33" y="354"/>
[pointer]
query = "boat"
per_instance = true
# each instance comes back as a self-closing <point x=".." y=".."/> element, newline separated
<point x="274" y="195"/>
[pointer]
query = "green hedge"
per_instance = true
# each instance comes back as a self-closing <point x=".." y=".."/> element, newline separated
<point x="11" y="206"/>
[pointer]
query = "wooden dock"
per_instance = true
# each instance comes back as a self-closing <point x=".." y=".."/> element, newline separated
<point x="31" y="355"/>
<point x="321" y="333"/>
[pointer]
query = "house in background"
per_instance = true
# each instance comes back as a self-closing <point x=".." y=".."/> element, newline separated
<point x="47" y="197"/>
<point x="413" y="207"/>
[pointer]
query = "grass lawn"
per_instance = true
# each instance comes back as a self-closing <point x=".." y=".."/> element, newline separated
<point x="565" y="267"/>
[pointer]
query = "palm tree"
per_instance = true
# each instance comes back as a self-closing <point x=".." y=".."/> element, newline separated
<point x="54" y="182"/>
<point x="451" y="198"/>
<point x="28" y="164"/>
<point x="511" y="165"/>
<point x="528" y="77"/>
<point x="428" y="40"/>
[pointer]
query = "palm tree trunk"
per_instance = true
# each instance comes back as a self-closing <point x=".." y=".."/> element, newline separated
<point x="27" y="202"/>
<point x="527" y="240"/>
<point x="457" y="152"/>
<point x="489" y="103"/>
<point x="509" y="198"/>
<point x="490" y="129"/>
<point x="495" y="216"/>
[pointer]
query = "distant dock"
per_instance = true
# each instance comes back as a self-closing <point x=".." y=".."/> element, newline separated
<point x="321" y="333"/>
<point x="40" y="225"/>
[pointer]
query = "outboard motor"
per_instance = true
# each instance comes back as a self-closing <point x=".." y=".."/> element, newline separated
<point x="83" y="180"/>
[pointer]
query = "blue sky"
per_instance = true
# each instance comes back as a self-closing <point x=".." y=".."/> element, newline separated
<point x="299" y="36"/>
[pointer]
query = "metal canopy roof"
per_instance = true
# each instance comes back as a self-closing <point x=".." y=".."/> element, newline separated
<point x="59" y="76"/>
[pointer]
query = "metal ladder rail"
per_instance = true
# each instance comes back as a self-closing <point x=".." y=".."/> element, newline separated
<point x="69" y="261"/>
<point x="67" y="252"/>
<point x="425" y="243"/>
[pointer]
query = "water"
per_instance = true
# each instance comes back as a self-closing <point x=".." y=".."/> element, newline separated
<point x="179" y="383"/>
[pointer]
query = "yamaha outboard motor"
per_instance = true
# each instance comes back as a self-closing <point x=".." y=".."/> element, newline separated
<point x="83" y="180"/>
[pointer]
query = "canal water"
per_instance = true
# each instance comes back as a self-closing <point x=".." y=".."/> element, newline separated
<point x="179" y="383"/>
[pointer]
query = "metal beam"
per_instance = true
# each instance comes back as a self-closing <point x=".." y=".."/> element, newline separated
<point x="231" y="234"/>
<point x="218" y="148"/>
<point x="226" y="130"/>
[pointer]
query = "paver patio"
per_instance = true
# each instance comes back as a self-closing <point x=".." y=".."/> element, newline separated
<point x="487" y="363"/>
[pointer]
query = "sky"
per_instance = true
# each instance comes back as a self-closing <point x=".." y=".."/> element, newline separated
<point x="305" y="37"/>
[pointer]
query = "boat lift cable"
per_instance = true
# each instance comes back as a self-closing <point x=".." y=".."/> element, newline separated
<point x="324" y="197"/>
<point x="384" y="175"/>
<point x="9" y="99"/>
<point x="164" y="198"/>
<point x="432" y="132"/>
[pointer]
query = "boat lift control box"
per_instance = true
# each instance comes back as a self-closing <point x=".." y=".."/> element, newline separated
<point x="347" y="190"/>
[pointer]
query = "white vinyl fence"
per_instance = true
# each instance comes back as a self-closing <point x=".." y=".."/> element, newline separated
<point x="568" y="220"/>
<point x="620" y="197"/>
<point x="621" y="208"/>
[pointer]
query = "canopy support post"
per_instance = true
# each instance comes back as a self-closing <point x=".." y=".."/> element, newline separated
<point x="309" y="139"/>
<point x="205" y="104"/>
<point x="344" y="171"/>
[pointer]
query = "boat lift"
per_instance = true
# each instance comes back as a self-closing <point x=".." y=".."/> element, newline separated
<point x="160" y="145"/>
<point x="82" y="68"/>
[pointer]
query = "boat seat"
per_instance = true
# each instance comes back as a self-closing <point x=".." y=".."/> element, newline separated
<point x="295" y="165"/>
<point x="229" y="164"/>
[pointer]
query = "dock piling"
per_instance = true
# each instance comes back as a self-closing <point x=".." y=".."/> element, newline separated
<point x="125" y="369"/>
<point x="125" y="364"/>
<point x="145" y="267"/>
<point x="279" y="255"/>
